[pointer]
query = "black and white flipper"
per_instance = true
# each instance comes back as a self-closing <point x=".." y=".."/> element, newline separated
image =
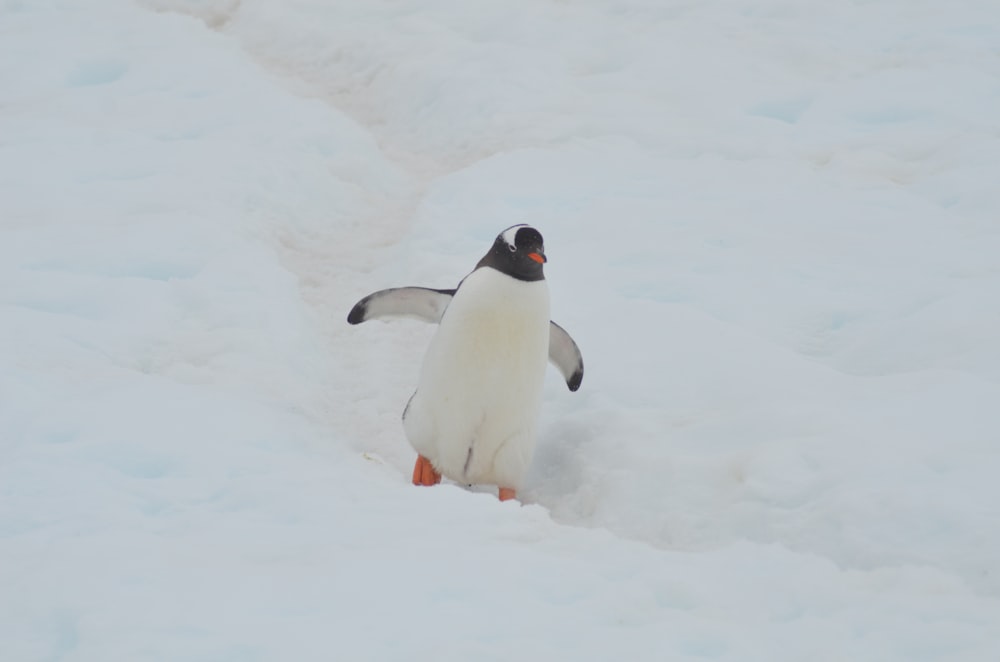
<point x="419" y="303"/>
<point x="565" y="355"/>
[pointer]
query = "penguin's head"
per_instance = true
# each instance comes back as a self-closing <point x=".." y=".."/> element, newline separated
<point x="519" y="252"/>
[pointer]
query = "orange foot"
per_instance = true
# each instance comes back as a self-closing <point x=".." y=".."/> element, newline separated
<point x="506" y="494"/>
<point x="423" y="472"/>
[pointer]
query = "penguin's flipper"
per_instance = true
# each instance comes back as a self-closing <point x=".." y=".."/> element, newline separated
<point x="420" y="303"/>
<point x="565" y="355"/>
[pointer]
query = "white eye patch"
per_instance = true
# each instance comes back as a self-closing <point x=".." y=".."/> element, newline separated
<point x="510" y="233"/>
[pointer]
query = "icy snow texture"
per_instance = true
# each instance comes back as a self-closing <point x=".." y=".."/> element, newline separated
<point x="772" y="228"/>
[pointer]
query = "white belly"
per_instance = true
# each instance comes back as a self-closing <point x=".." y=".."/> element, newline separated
<point x="476" y="406"/>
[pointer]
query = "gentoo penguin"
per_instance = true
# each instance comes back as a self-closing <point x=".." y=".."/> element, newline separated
<point x="474" y="414"/>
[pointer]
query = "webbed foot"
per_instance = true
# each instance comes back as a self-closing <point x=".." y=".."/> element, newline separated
<point x="424" y="473"/>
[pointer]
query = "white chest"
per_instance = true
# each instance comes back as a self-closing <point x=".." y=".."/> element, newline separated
<point x="492" y="340"/>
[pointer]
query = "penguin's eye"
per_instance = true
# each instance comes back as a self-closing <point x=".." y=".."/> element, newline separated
<point x="512" y="247"/>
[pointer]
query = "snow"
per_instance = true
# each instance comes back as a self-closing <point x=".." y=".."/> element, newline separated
<point x="771" y="227"/>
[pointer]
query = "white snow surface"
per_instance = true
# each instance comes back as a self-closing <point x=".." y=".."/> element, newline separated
<point x="773" y="227"/>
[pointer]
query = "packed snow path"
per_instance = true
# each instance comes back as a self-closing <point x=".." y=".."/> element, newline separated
<point x="772" y="228"/>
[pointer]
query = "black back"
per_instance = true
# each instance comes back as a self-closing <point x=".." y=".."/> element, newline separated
<point x="511" y="250"/>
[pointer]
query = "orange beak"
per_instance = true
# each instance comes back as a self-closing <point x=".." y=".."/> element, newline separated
<point x="538" y="257"/>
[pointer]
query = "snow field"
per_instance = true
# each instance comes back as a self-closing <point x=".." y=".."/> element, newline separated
<point x="771" y="229"/>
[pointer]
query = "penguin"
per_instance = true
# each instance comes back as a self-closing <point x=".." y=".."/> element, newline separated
<point x="474" y="414"/>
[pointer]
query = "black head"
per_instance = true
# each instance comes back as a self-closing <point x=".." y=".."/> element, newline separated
<point x="518" y="251"/>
